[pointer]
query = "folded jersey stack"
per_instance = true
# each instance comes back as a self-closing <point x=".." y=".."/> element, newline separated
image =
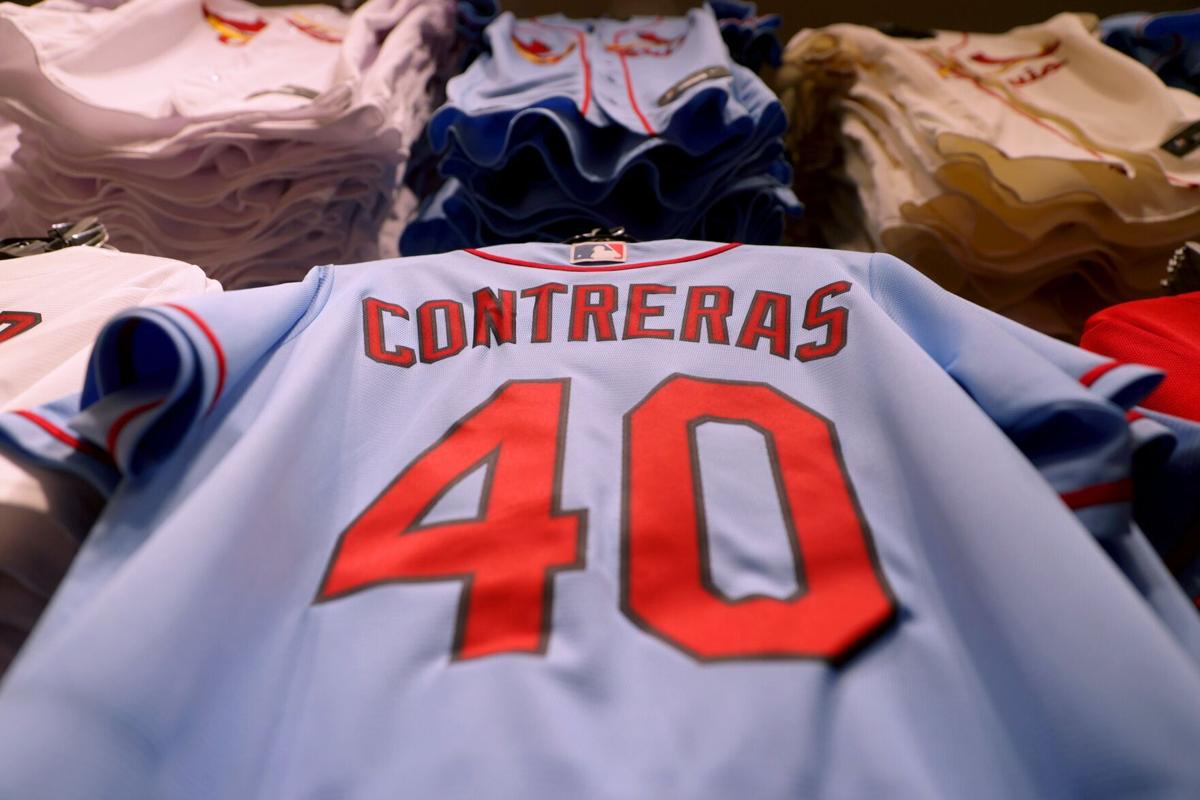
<point x="1038" y="171"/>
<point x="255" y="141"/>
<point x="570" y="124"/>
<point x="752" y="39"/>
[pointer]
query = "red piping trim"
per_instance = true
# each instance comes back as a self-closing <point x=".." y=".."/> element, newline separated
<point x="216" y="346"/>
<point x="1113" y="492"/>
<point x="70" y="441"/>
<point x="1133" y="416"/>
<point x="583" y="60"/>
<point x="123" y="420"/>
<point x="587" y="73"/>
<point x="1095" y="373"/>
<point x="516" y="262"/>
<point x="629" y="85"/>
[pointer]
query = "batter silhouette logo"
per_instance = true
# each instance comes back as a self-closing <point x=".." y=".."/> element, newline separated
<point x="598" y="253"/>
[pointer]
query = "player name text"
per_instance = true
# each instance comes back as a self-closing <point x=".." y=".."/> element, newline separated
<point x="599" y="312"/>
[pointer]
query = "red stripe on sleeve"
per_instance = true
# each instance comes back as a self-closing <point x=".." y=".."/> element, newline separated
<point x="216" y="346"/>
<point x="1094" y="374"/>
<point x="123" y="420"/>
<point x="1113" y="492"/>
<point x="70" y="441"/>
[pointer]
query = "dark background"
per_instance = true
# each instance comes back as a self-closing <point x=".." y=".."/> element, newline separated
<point x="951" y="14"/>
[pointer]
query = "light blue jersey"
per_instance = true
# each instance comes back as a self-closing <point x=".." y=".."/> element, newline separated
<point x="554" y="78"/>
<point x="678" y="520"/>
<point x="644" y="123"/>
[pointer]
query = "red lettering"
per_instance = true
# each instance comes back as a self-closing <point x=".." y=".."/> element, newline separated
<point x="428" y="328"/>
<point x="637" y="310"/>
<point x="543" y="309"/>
<point x="845" y="601"/>
<point x="506" y="559"/>
<point x="714" y="316"/>
<point x="836" y="319"/>
<point x="769" y="317"/>
<point x="1031" y="75"/>
<point x="598" y="313"/>
<point x="377" y="350"/>
<point x="495" y="316"/>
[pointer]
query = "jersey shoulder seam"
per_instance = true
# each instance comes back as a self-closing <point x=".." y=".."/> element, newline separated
<point x="316" y="304"/>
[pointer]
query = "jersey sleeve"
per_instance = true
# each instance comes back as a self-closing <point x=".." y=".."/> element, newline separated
<point x="1167" y="498"/>
<point x="154" y="374"/>
<point x="1125" y="384"/>
<point x="1077" y="439"/>
<point x="1166" y="450"/>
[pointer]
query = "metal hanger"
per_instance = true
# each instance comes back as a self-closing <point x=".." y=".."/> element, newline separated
<point x="616" y="234"/>
<point x="1183" y="270"/>
<point x="87" y="232"/>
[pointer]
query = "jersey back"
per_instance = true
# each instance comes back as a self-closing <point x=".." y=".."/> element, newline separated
<point x="678" y="520"/>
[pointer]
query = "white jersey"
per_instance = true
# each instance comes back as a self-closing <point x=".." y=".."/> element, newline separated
<point x="256" y="141"/>
<point x="51" y="308"/>
<point x="967" y="155"/>
<point x="1041" y="91"/>
<point x="53" y="305"/>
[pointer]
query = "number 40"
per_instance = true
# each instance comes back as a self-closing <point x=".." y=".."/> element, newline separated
<point x="507" y="558"/>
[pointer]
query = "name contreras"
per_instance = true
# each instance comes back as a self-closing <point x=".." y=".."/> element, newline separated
<point x="438" y="329"/>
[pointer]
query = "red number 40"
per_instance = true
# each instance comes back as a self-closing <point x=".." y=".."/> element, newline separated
<point x="507" y="556"/>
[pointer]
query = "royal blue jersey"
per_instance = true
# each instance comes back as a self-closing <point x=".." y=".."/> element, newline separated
<point x="747" y="210"/>
<point x="645" y="123"/>
<point x="1165" y="42"/>
<point x="676" y="520"/>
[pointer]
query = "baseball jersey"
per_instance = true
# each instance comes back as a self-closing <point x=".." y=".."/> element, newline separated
<point x="673" y="87"/>
<point x="1036" y="91"/>
<point x="1164" y="331"/>
<point x="1161" y="557"/>
<point x="256" y="141"/>
<point x="51" y="308"/>
<point x="747" y="210"/>
<point x="678" y="519"/>
<point x="752" y="39"/>
<point x="53" y="305"/>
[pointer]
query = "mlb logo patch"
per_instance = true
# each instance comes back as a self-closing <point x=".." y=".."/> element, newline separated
<point x="598" y="253"/>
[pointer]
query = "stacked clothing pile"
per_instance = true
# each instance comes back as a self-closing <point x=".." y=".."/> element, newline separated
<point x="566" y="125"/>
<point x="1037" y="172"/>
<point x="255" y="141"/>
<point x="752" y="39"/>
<point x="473" y="18"/>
